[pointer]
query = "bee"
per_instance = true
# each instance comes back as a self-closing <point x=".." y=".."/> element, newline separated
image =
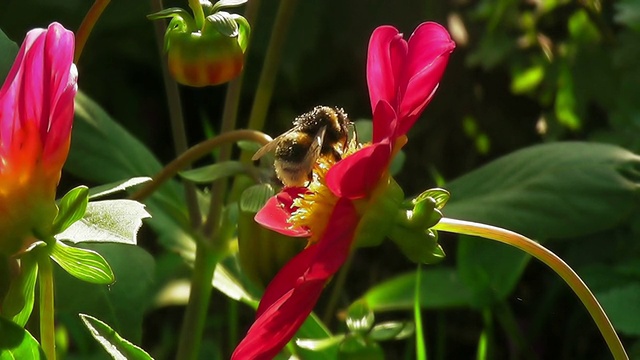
<point x="321" y="132"/>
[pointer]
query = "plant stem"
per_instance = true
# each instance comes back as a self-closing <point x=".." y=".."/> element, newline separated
<point x="193" y="154"/>
<point x="47" y="329"/>
<point x="198" y="13"/>
<point x="554" y="262"/>
<point x="421" y="349"/>
<point x="176" y="118"/>
<point x="87" y="25"/>
<point x="194" y="318"/>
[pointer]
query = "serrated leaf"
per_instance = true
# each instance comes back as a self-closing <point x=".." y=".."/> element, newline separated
<point x="254" y="197"/>
<point x="108" y="221"/>
<point x="440" y="288"/>
<point x="71" y="208"/>
<point x="118" y="347"/>
<point x="209" y="173"/>
<point x="224" y="23"/>
<point x="83" y="264"/>
<point x="114" y="187"/>
<point x="17" y="343"/>
<point x="18" y="302"/>
<point x="9" y="50"/>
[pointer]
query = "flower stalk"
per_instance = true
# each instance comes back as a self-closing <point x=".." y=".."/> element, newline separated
<point x="87" y="25"/>
<point x="554" y="262"/>
<point x="46" y="301"/>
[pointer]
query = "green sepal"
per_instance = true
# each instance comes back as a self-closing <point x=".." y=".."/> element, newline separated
<point x="360" y="318"/>
<point x="224" y="23"/>
<point x="18" y="303"/>
<point x="71" y="208"/>
<point x="111" y="341"/>
<point x="392" y="330"/>
<point x="374" y="225"/>
<point x="419" y="246"/>
<point x="227" y="4"/>
<point x="83" y="264"/>
<point x="440" y="196"/>
<point x="244" y="31"/>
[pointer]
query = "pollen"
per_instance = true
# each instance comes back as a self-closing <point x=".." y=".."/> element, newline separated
<point x="314" y="208"/>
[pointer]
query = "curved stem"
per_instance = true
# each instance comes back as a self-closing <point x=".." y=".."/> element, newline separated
<point x="47" y="329"/>
<point x="554" y="262"/>
<point x="193" y="154"/>
<point x="87" y="25"/>
<point x="198" y="13"/>
<point x="174" y="103"/>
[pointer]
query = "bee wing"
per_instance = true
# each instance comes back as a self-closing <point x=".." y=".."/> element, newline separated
<point x="270" y="146"/>
<point x="315" y="149"/>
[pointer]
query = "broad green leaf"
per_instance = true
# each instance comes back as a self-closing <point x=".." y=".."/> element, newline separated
<point x="71" y="208"/>
<point x="85" y="265"/>
<point x="118" y="347"/>
<point x="393" y="330"/>
<point x="17" y="343"/>
<point x="121" y="304"/>
<point x="313" y="329"/>
<point x="209" y="173"/>
<point x="621" y="305"/>
<point x="8" y="51"/>
<point x="18" y="302"/>
<point x="557" y="190"/>
<point x="108" y="221"/>
<point x="254" y="197"/>
<point x="114" y="187"/>
<point x="224" y="281"/>
<point x="439" y="288"/>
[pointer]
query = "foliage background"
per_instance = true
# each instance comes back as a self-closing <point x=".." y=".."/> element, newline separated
<point x="524" y="73"/>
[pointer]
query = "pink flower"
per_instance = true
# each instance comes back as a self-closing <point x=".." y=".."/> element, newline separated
<point x="36" y="113"/>
<point x="336" y="211"/>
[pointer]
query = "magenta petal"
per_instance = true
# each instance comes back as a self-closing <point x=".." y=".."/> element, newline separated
<point x="293" y="293"/>
<point x="357" y="175"/>
<point x="380" y="64"/>
<point x="429" y="50"/>
<point x="275" y="214"/>
<point x="384" y="122"/>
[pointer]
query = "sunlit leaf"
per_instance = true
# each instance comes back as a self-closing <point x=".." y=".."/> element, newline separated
<point x="18" y="302"/>
<point x="114" y="187"/>
<point x="393" y="330"/>
<point x="17" y="343"/>
<point x="118" y="347"/>
<point x="108" y="221"/>
<point x="83" y="264"/>
<point x="9" y="50"/>
<point x="72" y="207"/>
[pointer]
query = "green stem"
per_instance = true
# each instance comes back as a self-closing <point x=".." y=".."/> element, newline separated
<point x="198" y="13"/>
<point x="421" y="349"/>
<point x="47" y="329"/>
<point x="87" y="25"/>
<point x="270" y="67"/>
<point x="194" y="153"/>
<point x="554" y="262"/>
<point x="195" y="315"/>
<point x="176" y="118"/>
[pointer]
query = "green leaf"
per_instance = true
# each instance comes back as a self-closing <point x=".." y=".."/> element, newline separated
<point x="9" y="50"/>
<point x="108" y="221"/>
<point x="439" y="288"/>
<point x="224" y="281"/>
<point x="393" y="330"/>
<point x="17" y="343"/>
<point x="558" y="190"/>
<point x="114" y="187"/>
<point x="85" y="265"/>
<point x="207" y="174"/>
<point x="111" y="341"/>
<point x="359" y="317"/>
<point x="71" y="208"/>
<point x="121" y="304"/>
<point x="621" y="305"/>
<point x="628" y="13"/>
<point x="18" y="302"/>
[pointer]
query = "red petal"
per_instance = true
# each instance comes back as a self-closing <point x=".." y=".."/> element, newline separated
<point x="429" y="50"/>
<point x="275" y="214"/>
<point x="387" y="51"/>
<point x="384" y="122"/>
<point x="293" y="293"/>
<point x="357" y="175"/>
